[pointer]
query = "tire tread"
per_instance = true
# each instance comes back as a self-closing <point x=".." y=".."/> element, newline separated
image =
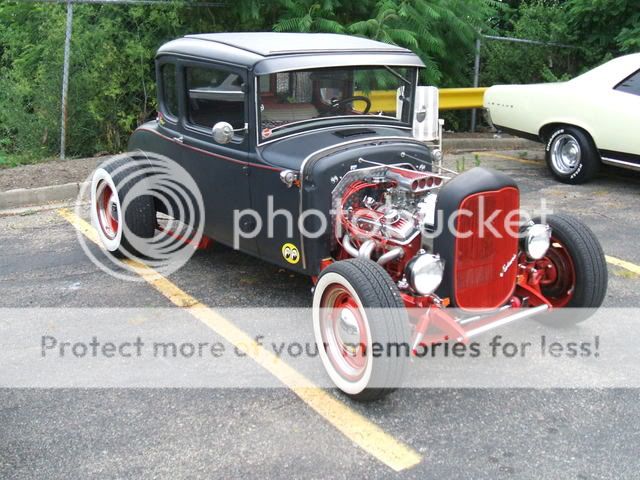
<point x="140" y="216"/>
<point x="589" y="260"/>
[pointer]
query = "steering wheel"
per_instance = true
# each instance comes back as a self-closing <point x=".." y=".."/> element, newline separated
<point x="337" y="103"/>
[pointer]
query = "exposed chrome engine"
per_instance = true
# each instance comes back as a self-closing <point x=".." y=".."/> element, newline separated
<point x="381" y="211"/>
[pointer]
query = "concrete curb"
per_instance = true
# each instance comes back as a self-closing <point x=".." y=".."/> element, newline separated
<point x="25" y="197"/>
<point x="473" y="144"/>
<point x="22" y="197"/>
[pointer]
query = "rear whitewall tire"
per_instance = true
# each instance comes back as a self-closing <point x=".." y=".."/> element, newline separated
<point x="130" y="199"/>
<point x="101" y="175"/>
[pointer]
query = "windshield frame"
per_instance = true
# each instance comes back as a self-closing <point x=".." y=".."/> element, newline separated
<point x="329" y="122"/>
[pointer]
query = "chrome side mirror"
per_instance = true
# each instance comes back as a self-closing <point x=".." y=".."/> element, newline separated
<point x="223" y="132"/>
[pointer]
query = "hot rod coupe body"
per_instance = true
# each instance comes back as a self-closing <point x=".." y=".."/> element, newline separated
<point x="303" y="161"/>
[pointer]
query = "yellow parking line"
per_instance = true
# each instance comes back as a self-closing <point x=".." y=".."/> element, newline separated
<point x="83" y="227"/>
<point x="632" y="267"/>
<point x="507" y="157"/>
<point x="361" y="431"/>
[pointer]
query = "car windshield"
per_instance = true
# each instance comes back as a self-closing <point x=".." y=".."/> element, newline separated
<point x="290" y="101"/>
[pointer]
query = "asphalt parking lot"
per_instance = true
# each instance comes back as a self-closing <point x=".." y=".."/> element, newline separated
<point x="227" y="433"/>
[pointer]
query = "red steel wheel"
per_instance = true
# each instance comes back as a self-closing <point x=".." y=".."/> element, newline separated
<point x="344" y="331"/>
<point x="357" y="308"/>
<point x="121" y="215"/>
<point x="574" y="270"/>
<point x="108" y="210"/>
<point x="558" y="282"/>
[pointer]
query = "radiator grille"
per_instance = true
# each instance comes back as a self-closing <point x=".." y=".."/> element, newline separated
<point x="485" y="263"/>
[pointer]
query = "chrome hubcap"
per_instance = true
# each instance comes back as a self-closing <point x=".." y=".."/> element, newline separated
<point x="113" y="208"/>
<point x="344" y="333"/>
<point x="348" y="332"/>
<point x="565" y="154"/>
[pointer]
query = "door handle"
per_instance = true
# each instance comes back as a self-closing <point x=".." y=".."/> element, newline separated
<point x="179" y="139"/>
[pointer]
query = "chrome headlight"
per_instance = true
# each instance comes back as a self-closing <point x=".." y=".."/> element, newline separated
<point x="424" y="273"/>
<point x="537" y="239"/>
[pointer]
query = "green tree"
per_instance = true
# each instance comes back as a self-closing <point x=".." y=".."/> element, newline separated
<point x="112" y="87"/>
<point x="308" y="16"/>
<point x="540" y="20"/>
<point x="605" y="28"/>
<point x="112" y="82"/>
<point x="441" y="32"/>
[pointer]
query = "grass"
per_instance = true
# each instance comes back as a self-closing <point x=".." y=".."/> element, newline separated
<point x="461" y="163"/>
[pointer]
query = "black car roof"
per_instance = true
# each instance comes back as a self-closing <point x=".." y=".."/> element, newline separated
<point x="269" y="52"/>
<point x="270" y="43"/>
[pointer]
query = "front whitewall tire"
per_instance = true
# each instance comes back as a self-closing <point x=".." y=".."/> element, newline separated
<point x="348" y="387"/>
<point x="364" y="308"/>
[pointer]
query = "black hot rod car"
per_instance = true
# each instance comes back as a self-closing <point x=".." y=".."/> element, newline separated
<point x="334" y="133"/>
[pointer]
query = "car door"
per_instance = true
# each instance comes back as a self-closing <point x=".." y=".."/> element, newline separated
<point x="215" y="93"/>
<point x="168" y="120"/>
<point x="619" y="116"/>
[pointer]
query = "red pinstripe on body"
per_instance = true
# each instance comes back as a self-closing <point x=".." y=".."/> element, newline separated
<point x="211" y="154"/>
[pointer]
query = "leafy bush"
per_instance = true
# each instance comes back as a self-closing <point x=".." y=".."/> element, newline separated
<point x="112" y="85"/>
<point x="508" y="62"/>
<point x="598" y="31"/>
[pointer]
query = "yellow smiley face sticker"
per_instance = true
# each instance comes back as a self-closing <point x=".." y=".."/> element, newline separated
<point x="290" y="253"/>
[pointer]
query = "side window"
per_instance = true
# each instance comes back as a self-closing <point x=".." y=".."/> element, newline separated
<point x="169" y="93"/>
<point x="630" y="84"/>
<point x="213" y="96"/>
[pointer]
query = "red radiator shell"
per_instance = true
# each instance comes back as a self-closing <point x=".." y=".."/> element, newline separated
<point x="485" y="268"/>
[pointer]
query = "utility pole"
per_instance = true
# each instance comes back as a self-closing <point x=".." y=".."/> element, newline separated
<point x="67" y="48"/>
<point x="65" y="80"/>
<point x="476" y="80"/>
<point x="476" y="65"/>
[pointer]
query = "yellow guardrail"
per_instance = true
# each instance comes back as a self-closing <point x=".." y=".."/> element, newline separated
<point x="381" y="101"/>
<point x="461" y="98"/>
<point x="449" y="99"/>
